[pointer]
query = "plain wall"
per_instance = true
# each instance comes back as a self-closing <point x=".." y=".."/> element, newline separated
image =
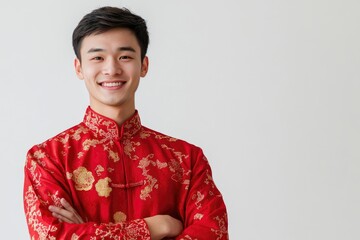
<point x="269" y="90"/>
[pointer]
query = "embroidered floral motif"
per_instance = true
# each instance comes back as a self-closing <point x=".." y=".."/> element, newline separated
<point x="103" y="188"/>
<point x="99" y="169"/>
<point x="39" y="154"/>
<point x="83" y="179"/>
<point x="119" y="217"/>
<point x="114" y="156"/>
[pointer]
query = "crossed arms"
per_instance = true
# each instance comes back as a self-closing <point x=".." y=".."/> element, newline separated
<point x="50" y="213"/>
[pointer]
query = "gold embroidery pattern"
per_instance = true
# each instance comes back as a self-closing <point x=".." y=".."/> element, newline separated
<point x="222" y="231"/>
<point x="133" y="126"/>
<point x="90" y="143"/>
<point x="74" y="237"/>
<point x="39" y="154"/>
<point x="150" y="182"/>
<point x="103" y="188"/>
<point x="132" y="230"/>
<point x="209" y="179"/>
<point x="96" y="123"/>
<point x="178" y="171"/>
<point x="119" y="217"/>
<point x="99" y="169"/>
<point x="78" y="132"/>
<point x="35" y="176"/>
<point x="175" y="167"/>
<point x="198" y="197"/>
<point x="33" y="214"/>
<point x="114" y="156"/>
<point x="55" y="198"/>
<point x="146" y="133"/>
<point x="108" y="130"/>
<point x="129" y="148"/>
<point x="83" y="179"/>
<point x="198" y="216"/>
<point x="64" y="139"/>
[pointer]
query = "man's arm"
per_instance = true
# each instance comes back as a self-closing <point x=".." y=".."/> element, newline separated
<point x="204" y="210"/>
<point x="45" y="185"/>
<point x="160" y="226"/>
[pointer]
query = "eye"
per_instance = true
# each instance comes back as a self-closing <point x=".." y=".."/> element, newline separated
<point x="125" y="58"/>
<point x="97" y="58"/>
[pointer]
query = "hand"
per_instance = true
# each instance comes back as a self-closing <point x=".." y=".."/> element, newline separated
<point x="67" y="214"/>
<point x="161" y="226"/>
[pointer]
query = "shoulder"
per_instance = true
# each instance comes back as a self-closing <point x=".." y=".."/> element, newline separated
<point x="169" y="142"/>
<point x="60" y="140"/>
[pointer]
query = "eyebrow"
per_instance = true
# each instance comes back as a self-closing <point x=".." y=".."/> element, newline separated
<point x="120" y="49"/>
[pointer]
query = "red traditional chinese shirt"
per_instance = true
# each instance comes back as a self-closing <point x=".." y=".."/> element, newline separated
<point x="115" y="176"/>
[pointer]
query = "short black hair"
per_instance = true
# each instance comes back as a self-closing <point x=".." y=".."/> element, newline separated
<point x="106" y="18"/>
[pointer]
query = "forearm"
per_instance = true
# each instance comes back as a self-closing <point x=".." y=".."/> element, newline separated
<point x="160" y="226"/>
<point x="205" y="215"/>
<point x="42" y="225"/>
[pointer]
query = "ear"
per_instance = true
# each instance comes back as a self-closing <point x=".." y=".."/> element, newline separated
<point x="144" y="66"/>
<point x="78" y="70"/>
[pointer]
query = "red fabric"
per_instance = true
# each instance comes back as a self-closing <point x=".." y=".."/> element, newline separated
<point x="115" y="177"/>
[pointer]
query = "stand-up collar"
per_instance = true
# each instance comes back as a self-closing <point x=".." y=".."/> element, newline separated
<point x="108" y="128"/>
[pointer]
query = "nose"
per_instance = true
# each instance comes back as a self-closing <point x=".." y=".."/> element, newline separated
<point x="111" y="67"/>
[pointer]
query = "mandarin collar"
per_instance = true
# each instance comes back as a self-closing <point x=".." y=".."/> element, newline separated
<point x="108" y="128"/>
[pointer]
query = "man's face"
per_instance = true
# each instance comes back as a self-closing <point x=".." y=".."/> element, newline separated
<point x="111" y="67"/>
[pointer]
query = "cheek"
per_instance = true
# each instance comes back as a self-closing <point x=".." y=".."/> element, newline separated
<point x="90" y="72"/>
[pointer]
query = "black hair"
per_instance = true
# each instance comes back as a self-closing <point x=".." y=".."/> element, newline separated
<point x="106" y="18"/>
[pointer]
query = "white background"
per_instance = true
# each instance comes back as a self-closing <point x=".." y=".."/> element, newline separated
<point x="269" y="89"/>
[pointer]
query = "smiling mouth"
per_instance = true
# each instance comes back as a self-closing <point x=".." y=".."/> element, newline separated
<point x="111" y="84"/>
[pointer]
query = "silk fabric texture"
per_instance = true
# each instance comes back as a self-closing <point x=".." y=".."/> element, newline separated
<point x="115" y="176"/>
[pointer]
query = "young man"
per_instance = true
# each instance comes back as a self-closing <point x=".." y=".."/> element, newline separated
<point x="109" y="177"/>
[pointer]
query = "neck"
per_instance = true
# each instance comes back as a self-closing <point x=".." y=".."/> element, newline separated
<point x="116" y="113"/>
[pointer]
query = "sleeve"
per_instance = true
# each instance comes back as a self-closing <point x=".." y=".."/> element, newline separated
<point x="44" y="185"/>
<point x="204" y="211"/>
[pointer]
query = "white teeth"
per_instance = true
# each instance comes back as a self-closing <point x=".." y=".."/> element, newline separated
<point x="112" y="84"/>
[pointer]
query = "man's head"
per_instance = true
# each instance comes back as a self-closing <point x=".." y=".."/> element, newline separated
<point x="107" y="18"/>
<point x="110" y="46"/>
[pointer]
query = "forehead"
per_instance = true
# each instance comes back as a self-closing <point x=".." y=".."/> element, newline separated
<point x="111" y="39"/>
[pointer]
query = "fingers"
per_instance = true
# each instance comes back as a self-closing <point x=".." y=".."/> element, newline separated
<point x="68" y="207"/>
<point x="60" y="214"/>
<point x="67" y="214"/>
